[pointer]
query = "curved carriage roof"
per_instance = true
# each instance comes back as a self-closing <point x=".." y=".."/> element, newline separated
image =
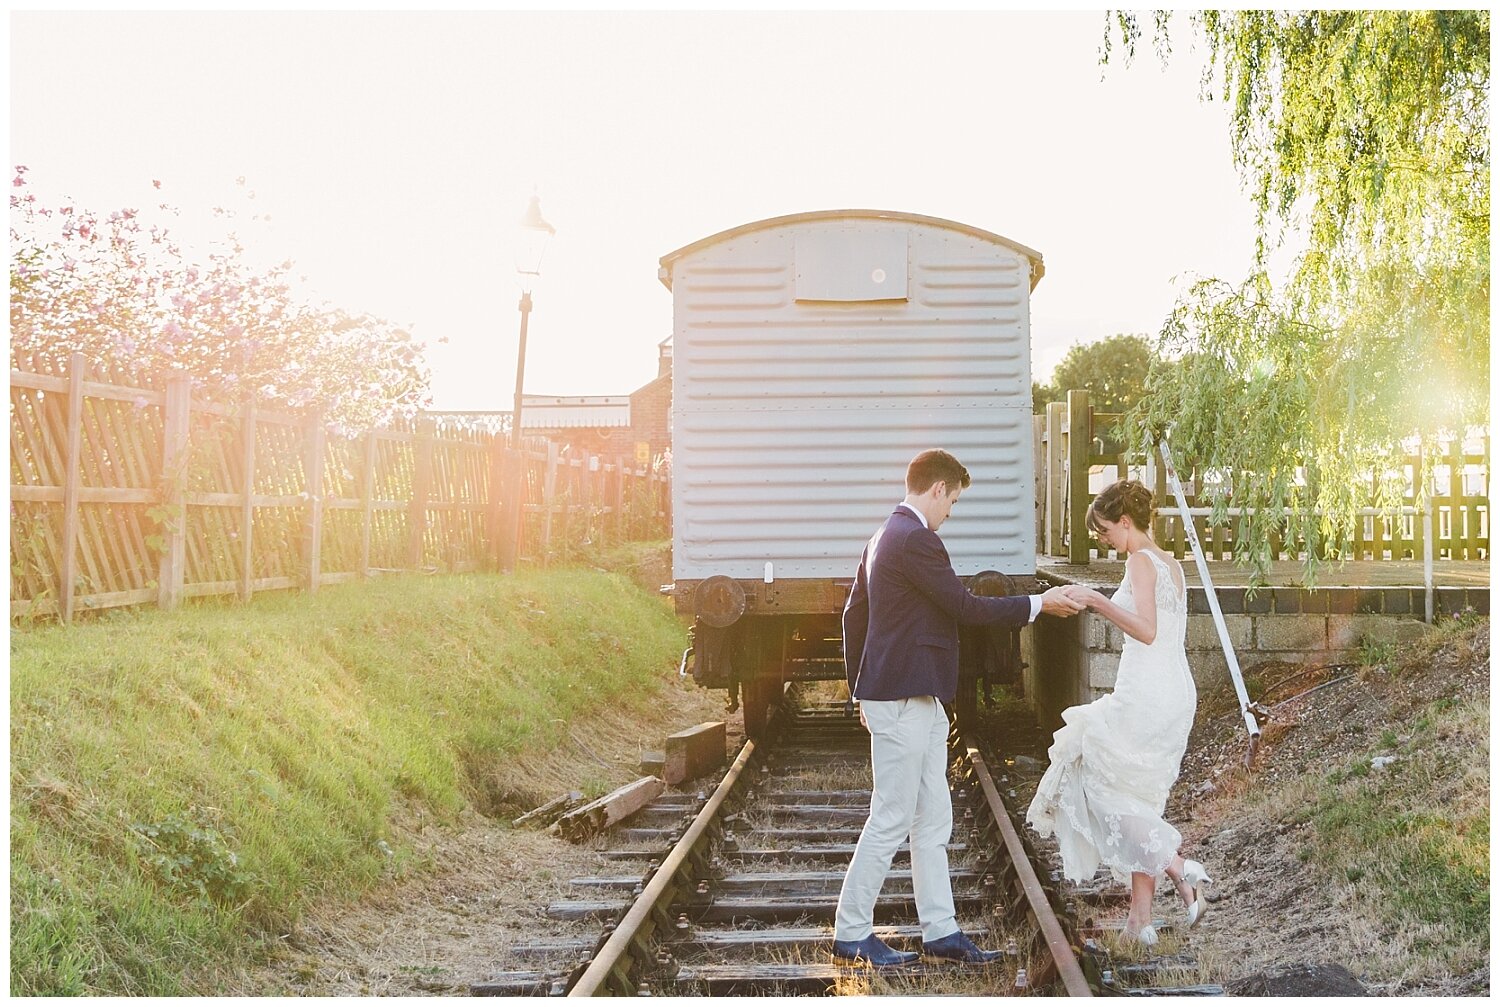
<point x="1037" y="269"/>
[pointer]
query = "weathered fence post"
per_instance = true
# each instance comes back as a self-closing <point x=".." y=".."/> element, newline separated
<point x="592" y="474"/>
<point x="1159" y="493"/>
<point x="520" y="493"/>
<point x="1054" y="484"/>
<point x="666" y="505"/>
<point x="1080" y="439"/>
<point x="549" y="501"/>
<point x="72" y="483"/>
<point x="619" y="535"/>
<point x="1457" y="548"/>
<point x="495" y="516"/>
<point x="1484" y="495"/>
<point x="367" y="501"/>
<point x="421" y="487"/>
<point x="173" y="566"/>
<point x="247" y="508"/>
<point x="1039" y="478"/>
<point x="317" y="445"/>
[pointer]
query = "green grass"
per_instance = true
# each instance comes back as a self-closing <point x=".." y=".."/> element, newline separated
<point x="1418" y="828"/>
<point x="183" y="784"/>
<point x="1409" y="842"/>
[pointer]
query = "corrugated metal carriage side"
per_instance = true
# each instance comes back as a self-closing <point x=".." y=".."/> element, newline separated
<point x="815" y="354"/>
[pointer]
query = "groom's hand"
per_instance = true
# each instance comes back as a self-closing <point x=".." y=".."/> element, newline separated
<point x="1060" y="601"/>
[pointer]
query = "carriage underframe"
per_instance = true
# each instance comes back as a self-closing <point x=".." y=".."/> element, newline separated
<point x="751" y="638"/>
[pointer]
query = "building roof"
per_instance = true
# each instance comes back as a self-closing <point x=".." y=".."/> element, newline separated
<point x="570" y="412"/>
<point x="665" y="272"/>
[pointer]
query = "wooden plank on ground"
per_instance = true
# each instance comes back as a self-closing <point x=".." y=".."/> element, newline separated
<point x="695" y="751"/>
<point x="609" y="809"/>
<point x="551" y="810"/>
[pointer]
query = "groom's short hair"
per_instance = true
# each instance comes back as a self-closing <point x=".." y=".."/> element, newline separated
<point x="932" y="466"/>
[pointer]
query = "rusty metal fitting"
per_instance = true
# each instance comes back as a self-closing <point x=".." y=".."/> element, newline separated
<point x="719" y="601"/>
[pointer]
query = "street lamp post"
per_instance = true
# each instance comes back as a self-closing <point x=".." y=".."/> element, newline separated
<point x="532" y="237"/>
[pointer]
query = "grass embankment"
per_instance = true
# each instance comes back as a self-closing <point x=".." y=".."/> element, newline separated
<point x="184" y="784"/>
<point x="1408" y="843"/>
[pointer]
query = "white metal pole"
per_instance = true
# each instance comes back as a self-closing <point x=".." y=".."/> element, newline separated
<point x="1251" y="724"/>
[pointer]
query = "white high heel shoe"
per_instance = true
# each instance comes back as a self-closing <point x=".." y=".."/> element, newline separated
<point x="1195" y="877"/>
<point x="1145" y="937"/>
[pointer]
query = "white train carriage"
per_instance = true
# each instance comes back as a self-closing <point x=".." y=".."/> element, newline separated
<point x="814" y="355"/>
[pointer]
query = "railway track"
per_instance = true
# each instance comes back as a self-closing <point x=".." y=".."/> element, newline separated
<point x="733" y="891"/>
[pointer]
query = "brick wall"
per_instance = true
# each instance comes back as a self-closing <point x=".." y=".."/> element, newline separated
<point x="650" y="407"/>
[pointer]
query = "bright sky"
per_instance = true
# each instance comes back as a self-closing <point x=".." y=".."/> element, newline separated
<point x="394" y="152"/>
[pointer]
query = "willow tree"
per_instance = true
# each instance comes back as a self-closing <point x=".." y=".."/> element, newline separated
<point x="1362" y="138"/>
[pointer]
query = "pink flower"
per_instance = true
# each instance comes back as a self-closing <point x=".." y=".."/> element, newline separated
<point x="156" y="183"/>
<point x="19" y="182"/>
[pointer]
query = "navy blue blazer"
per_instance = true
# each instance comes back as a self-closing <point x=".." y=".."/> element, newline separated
<point x="901" y="621"/>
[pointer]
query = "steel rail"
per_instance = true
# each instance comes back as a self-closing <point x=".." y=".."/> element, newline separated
<point x="1058" y="945"/>
<point x="592" y="982"/>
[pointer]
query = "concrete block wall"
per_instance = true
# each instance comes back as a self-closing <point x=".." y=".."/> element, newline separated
<point x="1077" y="660"/>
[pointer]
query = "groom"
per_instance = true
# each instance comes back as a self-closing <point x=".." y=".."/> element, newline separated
<point x="901" y="657"/>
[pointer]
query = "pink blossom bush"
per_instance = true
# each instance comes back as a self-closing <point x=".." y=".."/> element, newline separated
<point x="120" y="290"/>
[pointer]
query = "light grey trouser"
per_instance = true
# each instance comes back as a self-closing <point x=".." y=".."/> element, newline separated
<point x="909" y="755"/>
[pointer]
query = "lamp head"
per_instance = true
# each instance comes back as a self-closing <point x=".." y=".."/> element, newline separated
<point x="532" y="234"/>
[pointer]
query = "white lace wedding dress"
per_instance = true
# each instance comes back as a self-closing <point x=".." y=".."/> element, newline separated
<point x="1114" y="760"/>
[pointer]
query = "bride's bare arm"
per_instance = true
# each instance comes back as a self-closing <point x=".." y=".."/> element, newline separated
<point x="1140" y="624"/>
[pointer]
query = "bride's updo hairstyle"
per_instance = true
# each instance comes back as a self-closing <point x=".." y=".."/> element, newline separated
<point x="1124" y="498"/>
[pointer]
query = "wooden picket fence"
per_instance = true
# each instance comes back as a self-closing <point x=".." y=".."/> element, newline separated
<point x="1071" y="469"/>
<point x="128" y="489"/>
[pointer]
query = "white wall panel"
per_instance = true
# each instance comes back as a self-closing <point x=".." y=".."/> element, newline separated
<point x="794" y="421"/>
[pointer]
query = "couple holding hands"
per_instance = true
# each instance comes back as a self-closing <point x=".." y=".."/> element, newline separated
<point x="1111" y="764"/>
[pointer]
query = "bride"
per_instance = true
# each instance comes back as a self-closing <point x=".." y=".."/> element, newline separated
<point x="1115" y="759"/>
